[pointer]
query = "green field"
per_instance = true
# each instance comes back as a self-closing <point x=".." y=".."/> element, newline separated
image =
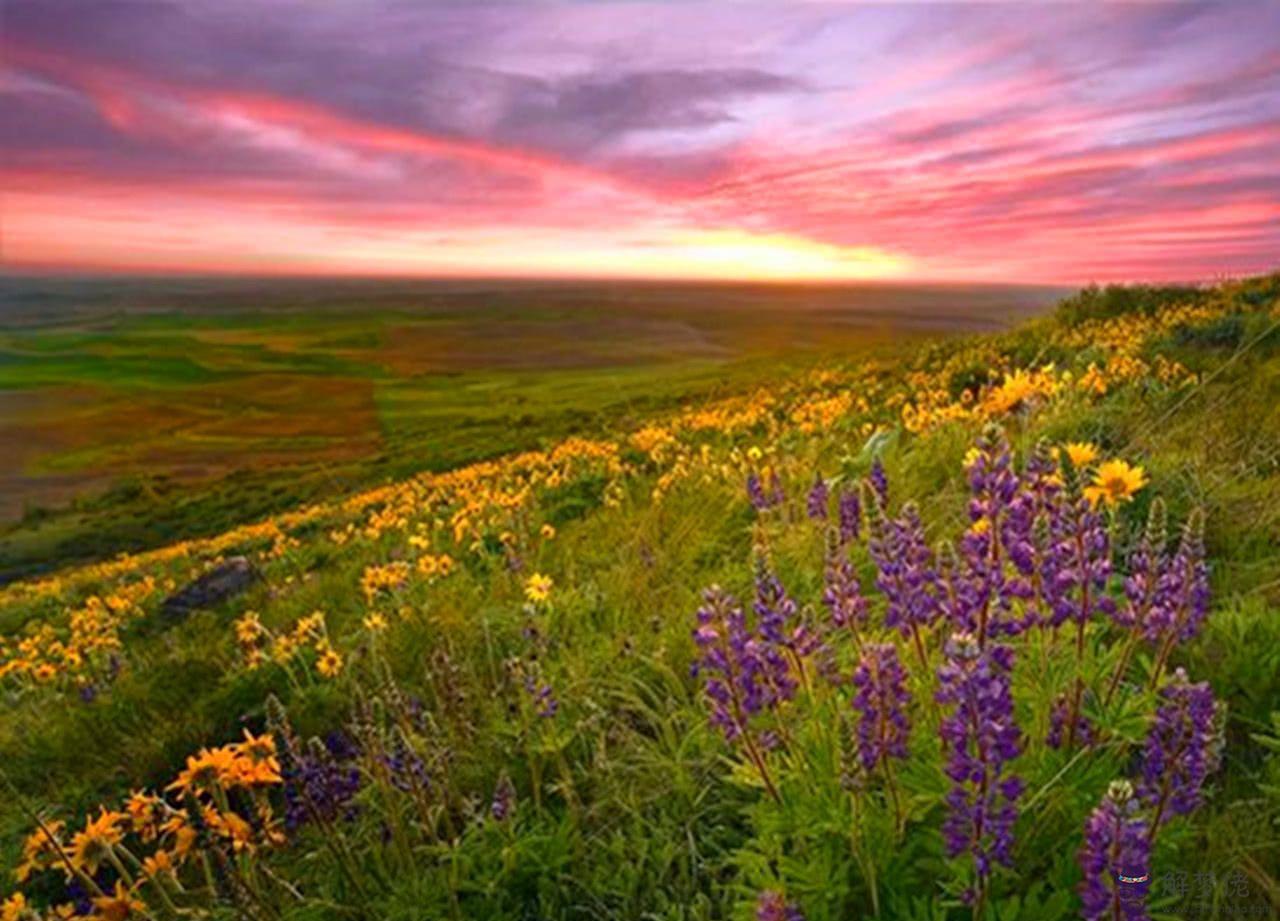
<point x="134" y="412"/>
<point x="425" y="775"/>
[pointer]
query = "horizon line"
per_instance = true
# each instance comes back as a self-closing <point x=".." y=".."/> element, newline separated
<point x="95" y="273"/>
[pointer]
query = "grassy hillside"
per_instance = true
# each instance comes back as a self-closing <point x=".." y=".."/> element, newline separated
<point x="137" y="412"/>
<point x="479" y="693"/>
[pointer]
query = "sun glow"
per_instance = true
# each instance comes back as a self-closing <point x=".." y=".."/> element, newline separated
<point x="739" y="254"/>
<point x="97" y="225"/>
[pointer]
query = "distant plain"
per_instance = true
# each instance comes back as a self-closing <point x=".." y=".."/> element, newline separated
<point x="136" y="411"/>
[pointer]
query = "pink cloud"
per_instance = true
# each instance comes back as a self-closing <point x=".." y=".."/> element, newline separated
<point x="1012" y="144"/>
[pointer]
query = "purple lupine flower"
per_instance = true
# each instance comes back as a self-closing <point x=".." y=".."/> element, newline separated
<point x="849" y="514"/>
<point x="998" y="550"/>
<point x="819" y="498"/>
<point x="1115" y="858"/>
<point x="1146" y="564"/>
<point x="503" y="805"/>
<point x="320" y="781"/>
<point x="544" y="698"/>
<point x="773" y="906"/>
<point x="879" y="483"/>
<point x="406" y="769"/>
<point x="842" y="594"/>
<point x="1182" y="590"/>
<point x="743" y="674"/>
<point x="959" y="597"/>
<point x="341" y="746"/>
<point x="979" y="738"/>
<point x="1030" y="525"/>
<point x="881" y="700"/>
<point x="1075" y="569"/>
<point x="80" y="896"/>
<point x="1040" y="476"/>
<point x="1143" y="614"/>
<point x="1060" y="718"/>
<point x="765" y="495"/>
<point x="1180" y="750"/>
<point x="906" y="573"/>
<point x="778" y="616"/>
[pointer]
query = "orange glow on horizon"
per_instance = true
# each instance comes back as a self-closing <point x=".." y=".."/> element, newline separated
<point x="54" y="231"/>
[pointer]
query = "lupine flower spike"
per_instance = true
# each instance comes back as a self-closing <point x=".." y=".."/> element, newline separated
<point x="849" y="514"/>
<point x="1141" y="587"/>
<point x="879" y="483"/>
<point x="779" y="622"/>
<point x="997" y="551"/>
<point x="765" y="494"/>
<point x="842" y="595"/>
<point x="979" y="739"/>
<point x="503" y="805"/>
<point x="907" y="577"/>
<point x="1181" y="749"/>
<point x="1075" y="576"/>
<point x="743" y="676"/>
<point x="1115" y="858"/>
<point x="881" y="700"/>
<point x="1182" y="596"/>
<point x="818" y="500"/>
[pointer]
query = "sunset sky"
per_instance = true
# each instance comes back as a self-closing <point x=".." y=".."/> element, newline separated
<point x="1029" y="142"/>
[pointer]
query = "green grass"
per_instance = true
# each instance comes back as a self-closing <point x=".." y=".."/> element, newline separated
<point x="645" y="812"/>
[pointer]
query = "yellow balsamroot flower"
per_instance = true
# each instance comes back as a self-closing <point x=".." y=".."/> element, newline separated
<point x="230" y="826"/>
<point x="1115" y="482"/>
<point x="44" y="672"/>
<point x="311" y="625"/>
<point x="90" y="847"/>
<point x="144" y="812"/>
<point x="158" y="864"/>
<point x="257" y="759"/>
<point x="119" y="905"/>
<point x="184" y="836"/>
<point x="1081" y="453"/>
<point x="330" y="662"/>
<point x="249" y="629"/>
<point x="432" y="566"/>
<point x="284" y="648"/>
<point x="389" y="577"/>
<point x="211" y="767"/>
<point x="38" y="851"/>
<point x="374" y="622"/>
<point x="538" y="588"/>
<point x="14" y="907"/>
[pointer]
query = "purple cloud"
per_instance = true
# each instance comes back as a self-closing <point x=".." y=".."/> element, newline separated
<point x="999" y="139"/>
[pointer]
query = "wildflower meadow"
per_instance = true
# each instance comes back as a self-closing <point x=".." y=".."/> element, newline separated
<point x="980" y="627"/>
